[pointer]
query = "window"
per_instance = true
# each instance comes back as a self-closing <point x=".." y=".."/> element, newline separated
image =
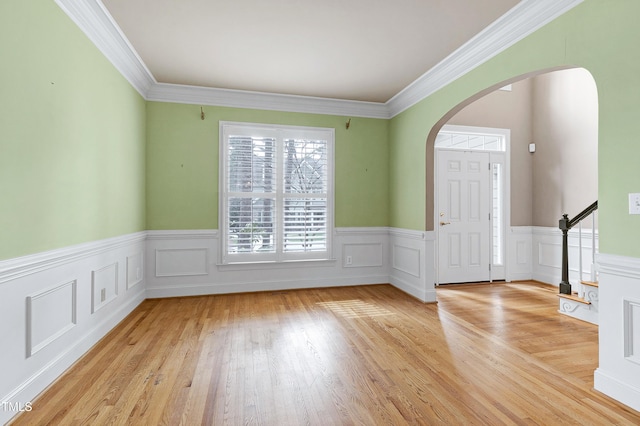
<point x="470" y="141"/>
<point x="276" y="192"/>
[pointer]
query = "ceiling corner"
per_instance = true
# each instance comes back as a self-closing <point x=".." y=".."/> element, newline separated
<point x="529" y="15"/>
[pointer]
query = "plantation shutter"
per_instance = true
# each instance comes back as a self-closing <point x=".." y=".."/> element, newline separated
<point x="276" y="189"/>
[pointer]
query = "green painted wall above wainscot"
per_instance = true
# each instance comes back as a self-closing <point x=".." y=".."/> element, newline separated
<point x="182" y="164"/>
<point x="72" y="136"/>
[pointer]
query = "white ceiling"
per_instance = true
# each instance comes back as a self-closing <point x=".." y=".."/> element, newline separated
<point x="362" y="50"/>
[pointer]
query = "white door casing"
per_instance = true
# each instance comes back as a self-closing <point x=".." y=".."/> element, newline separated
<point x="496" y="143"/>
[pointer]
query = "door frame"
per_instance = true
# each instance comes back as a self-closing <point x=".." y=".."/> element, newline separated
<point x="506" y="225"/>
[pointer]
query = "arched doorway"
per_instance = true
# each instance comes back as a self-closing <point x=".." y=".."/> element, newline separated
<point x="555" y="114"/>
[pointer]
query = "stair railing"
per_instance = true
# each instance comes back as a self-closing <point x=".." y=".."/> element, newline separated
<point x="565" y="225"/>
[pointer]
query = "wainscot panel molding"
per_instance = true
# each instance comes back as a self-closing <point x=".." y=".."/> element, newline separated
<point x="54" y="306"/>
<point x="185" y="263"/>
<point x="134" y="269"/>
<point x="412" y="263"/>
<point x="523" y="19"/>
<point x="519" y="258"/>
<point x="104" y="286"/>
<point x="547" y="254"/>
<point x="618" y="374"/>
<point x="50" y="314"/>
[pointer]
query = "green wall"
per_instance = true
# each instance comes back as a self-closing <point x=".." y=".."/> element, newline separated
<point x="182" y="164"/>
<point x="72" y="135"/>
<point x="599" y="35"/>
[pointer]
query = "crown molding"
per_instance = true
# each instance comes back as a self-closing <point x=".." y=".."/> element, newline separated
<point x="95" y="21"/>
<point x="523" y="19"/>
<point x="197" y="95"/>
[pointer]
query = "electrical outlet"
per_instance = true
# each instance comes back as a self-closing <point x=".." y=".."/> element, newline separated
<point x="349" y="260"/>
<point x="138" y="273"/>
<point x="634" y="203"/>
<point x="103" y="295"/>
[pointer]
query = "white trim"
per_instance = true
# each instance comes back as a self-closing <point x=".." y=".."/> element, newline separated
<point x="135" y="278"/>
<point x="49" y="301"/>
<point x="519" y="246"/>
<point x="204" y="264"/>
<point x="162" y="92"/>
<point x="180" y="234"/>
<point x="546" y="250"/>
<point x="46" y="375"/>
<point x="411" y="262"/>
<point x="19" y="267"/>
<point x="626" y="393"/>
<point x="368" y="248"/>
<point x="279" y="133"/>
<point x="250" y="286"/>
<point x="411" y="234"/>
<point x="505" y="158"/>
<point x="627" y="267"/>
<point x="362" y="231"/>
<point x="96" y="304"/>
<point x="523" y="19"/>
<point x="618" y="373"/>
<point x="95" y="21"/>
<point x="72" y="316"/>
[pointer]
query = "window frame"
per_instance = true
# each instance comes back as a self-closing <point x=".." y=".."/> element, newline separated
<point x="280" y="132"/>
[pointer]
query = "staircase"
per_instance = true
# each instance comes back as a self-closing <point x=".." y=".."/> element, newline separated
<point x="581" y="301"/>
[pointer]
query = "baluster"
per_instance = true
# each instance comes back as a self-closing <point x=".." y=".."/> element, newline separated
<point x="593" y="247"/>
<point x="580" y="286"/>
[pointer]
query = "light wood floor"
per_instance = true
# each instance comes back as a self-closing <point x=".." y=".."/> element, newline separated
<point x="485" y="354"/>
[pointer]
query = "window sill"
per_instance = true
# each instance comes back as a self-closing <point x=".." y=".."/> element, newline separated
<point x="285" y="264"/>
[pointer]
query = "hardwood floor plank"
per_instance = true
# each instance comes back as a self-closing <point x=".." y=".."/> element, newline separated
<point x="485" y="354"/>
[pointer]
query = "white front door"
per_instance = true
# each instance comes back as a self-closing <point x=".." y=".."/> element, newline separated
<point x="463" y="216"/>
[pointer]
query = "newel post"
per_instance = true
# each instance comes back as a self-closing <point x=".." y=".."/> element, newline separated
<point x="565" y="286"/>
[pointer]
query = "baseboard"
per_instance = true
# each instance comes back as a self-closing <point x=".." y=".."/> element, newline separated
<point x="520" y="276"/>
<point x="620" y="391"/>
<point x="198" y="289"/>
<point x="420" y="293"/>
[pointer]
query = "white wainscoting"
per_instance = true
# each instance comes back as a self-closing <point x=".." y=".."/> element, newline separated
<point x="413" y="262"/>
<point x="547" y="254"/>
<point x="104" y="286"/>
<point x="519" y="258"/>
<point x="618" y="374"/>
<point x="185" y="263"/>
<point x="55" y="305"/>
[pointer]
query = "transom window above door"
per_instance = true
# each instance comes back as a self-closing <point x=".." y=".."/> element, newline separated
<point x="470" y="141"/>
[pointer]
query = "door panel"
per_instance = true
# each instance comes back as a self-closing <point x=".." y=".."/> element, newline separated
<point x="464" y="194"/>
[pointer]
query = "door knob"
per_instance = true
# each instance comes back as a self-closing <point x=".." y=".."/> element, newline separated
<point x="444" y="223"/>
